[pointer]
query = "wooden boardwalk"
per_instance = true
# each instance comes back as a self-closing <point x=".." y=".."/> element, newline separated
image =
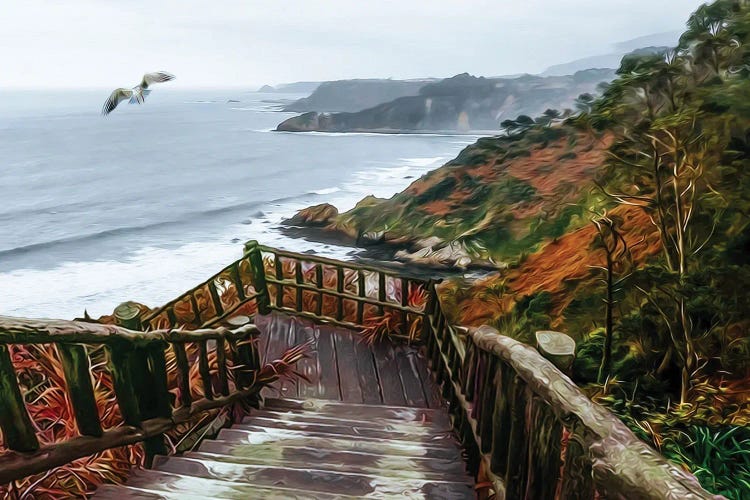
<point x="342" y="368"/>
<point x="368" y="424"/>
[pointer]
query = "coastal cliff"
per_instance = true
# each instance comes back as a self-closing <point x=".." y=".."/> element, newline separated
<point x="462" y="103"/>
<point x="356" y="95"/>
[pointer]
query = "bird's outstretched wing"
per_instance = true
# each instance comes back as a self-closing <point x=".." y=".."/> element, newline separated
<point x="156" y="77"/>
<point x="115" y="98"/>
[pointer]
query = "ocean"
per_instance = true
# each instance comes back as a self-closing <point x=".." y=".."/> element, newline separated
<point x="151" y="200"/>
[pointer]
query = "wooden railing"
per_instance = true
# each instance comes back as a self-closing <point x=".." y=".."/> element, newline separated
<point x="351" y="295"/>
<point x="137" y="365"/>
<point x="526" y="426"/>
<point x="532" y="433"/>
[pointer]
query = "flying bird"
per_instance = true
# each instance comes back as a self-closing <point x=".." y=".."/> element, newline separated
<point x="138" y="93"/>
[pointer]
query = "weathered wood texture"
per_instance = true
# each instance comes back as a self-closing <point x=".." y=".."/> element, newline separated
<point x="518" y="411"/>
<point x="342" y="368"/>
<point x="316" y="449"/>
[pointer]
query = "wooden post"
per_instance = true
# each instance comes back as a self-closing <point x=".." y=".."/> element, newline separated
<point x="544" y="432"/>
<point x="516" y="471"/>
<point x="77" y="370"/>
<point x="196" y="309"/>
<point x="14" y="419"/>
<point x="128" y="315"/>
<point x="252" y="251"/>
<point x="557" y="347"/>
<point x="157" y="404"/>
<point x="279" y="277"/>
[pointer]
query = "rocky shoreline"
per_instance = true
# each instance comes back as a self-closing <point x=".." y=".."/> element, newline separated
<point x="323" y="223"/>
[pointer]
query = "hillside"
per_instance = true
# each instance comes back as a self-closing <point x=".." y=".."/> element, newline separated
<point x="461" y="103"/>
<point x="626" y="226"/>
<point x="355" y="95"/>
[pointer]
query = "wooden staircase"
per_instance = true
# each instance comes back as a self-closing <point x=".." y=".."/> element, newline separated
<point x="314" y="449"/>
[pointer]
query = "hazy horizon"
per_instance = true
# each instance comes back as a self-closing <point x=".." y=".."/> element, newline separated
<point x="246" y="44"/>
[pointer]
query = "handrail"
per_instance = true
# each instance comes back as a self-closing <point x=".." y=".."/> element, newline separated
<point x="532" y="432"/>
<point x="138" y="370"/>
<point x="268" y="279"/>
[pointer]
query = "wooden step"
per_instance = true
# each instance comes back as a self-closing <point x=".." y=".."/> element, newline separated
<point x="153" y="485"/>
<point x="415" y="433"/>
<point x="313" y="455"/>
<point x="357" y="411"/>
<point x="369" y="465"/>
<point x="265" y="435"/>
<point x="313" y="480"/>
<point x="374" y="422"/>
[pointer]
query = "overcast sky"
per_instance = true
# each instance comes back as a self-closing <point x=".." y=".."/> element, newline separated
<point x="246" y="43"/>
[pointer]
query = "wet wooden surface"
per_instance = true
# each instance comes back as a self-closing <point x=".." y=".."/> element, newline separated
<point x="369" y="424"/>
<point x="342" y="368"/>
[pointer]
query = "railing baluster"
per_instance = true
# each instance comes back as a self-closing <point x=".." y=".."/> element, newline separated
<point x="183" y="377"/>
<point x="221" y="362"/>
<point x="280" y="277"/>
<point x="14" y="419"/>
<point x="381" y="292"/>
<point x="77" y="370"/>
<point x="361" y="292"/>
<point x="248" y="358"/>
<point x="203" y="369"/>
<point x="516" y="471"/>
<point x="215" y="298"/>
<point x="120" y="366"/>
<point x="488" y="403"/>
<point x="319" y="286"/>
<point x="544" y="433"/>
<point x="577" y="480"/>
<point x="501" y="419"/>
<point x="172" y="317"/>
<point x="404" y="303"/>
<point x="340" y="290"/>
<point x="298" y="280"/>
<point x="237" y="280"/>
<point x="157" y="404"/>
<point x="196" y="309"/>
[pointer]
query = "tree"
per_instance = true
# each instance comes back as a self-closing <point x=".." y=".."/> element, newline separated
<point x="616" y="270"/>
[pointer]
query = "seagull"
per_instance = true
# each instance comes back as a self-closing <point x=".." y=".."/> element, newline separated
<point x="138" y="93"/>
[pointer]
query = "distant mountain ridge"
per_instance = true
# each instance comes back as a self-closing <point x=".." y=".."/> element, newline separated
<point x="462" y="103"/>
<point x="356" y="95"/>
<point x="612" y="59"/>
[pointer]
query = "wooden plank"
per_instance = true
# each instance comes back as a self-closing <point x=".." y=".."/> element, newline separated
<point x="328" y="384"/>
<point x="346" y="357"/>
<point x="80" y="388"/>
<point x="390" y="382"/>
<point x="309" y="366"/>
<point x="406" y="364"/>
<point x="431" y="390"/>
<point x="367" y="373"/>
<point x="15" y="422"/>
<point x="313" y="481"/>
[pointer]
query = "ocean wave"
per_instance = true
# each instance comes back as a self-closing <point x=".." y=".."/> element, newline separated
<point x="329" y="190"/>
